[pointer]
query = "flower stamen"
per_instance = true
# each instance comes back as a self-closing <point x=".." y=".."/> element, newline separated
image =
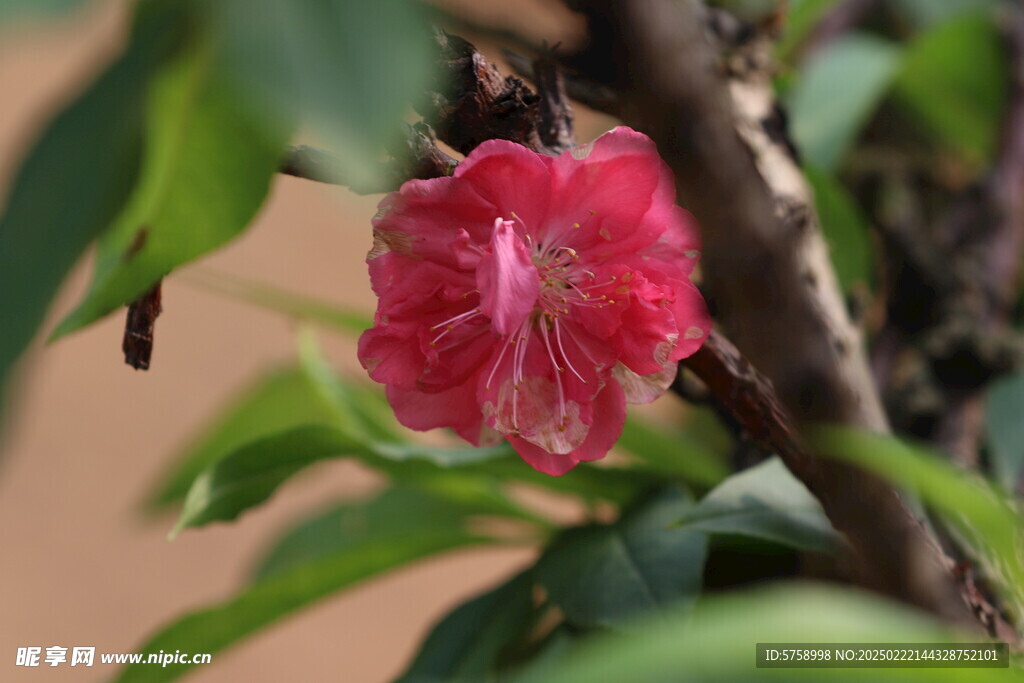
<point x="558" y="338"/>
<point x="452" y="323"/>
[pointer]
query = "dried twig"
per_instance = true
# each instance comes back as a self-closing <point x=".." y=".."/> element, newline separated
<point x="556" y="121"/>
<point x="588" y="92"/>
<point x="138" y="329"/>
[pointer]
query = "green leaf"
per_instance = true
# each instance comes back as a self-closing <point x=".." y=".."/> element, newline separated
<point x="268" y="296"/>
<point x="802" y="17"/>
<point x="345" y="420"/>
<point x="466" y="645"/>
<point x="605" y="575"/>
<point x="954" y="81"/>
<point x="282" y="400"/>
<point x="251" y="474"/>
<point x="76" y="179"/>
<point x="1005" y="429"/>
<point x="716" y="642"/>
<point x="967" y="501"/>
<point x="309" y="395"/>
<point x="356" y="407"/>
<point x="350" y="70"/>
<point x="209" y="159"/>
<point x="845" y="228"/>
<point x="344" y="423"/>
<point x="589" y="482"/>
<point x="926" y="13"/>
<point x="837" y="94"/>
<point x="398" y="514"/>
<point x="357" y="541"/>
<point x="294" y="418"/>
<point x="765" y="502"/>
<point x="672" y="452"/>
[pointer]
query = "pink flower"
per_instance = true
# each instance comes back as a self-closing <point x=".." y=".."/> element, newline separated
<point x="529" y="297"/>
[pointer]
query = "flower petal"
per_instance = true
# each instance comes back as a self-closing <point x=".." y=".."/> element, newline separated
<point x="537" y="404"/>
<point x="692" y="319"/>
<point x="608" y="192"/>
<point x="509" y="177"/>
<point x="507" y="279"/>
<point x="455" y="408"/>
<point x="645" y="388"/>
<point x="539" y="459"/>
<point x="422" y="219"/>
<point x="610" y="405"/>
<point x="410" y="345"/>
<point x="678" y="246"/>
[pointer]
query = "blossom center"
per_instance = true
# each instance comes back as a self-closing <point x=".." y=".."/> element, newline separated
<point x="545" y="333"/>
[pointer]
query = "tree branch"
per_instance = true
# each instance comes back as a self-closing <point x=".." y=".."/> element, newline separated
<point x="588" y="92"/>
<point x="766" y="268"/>
<point x="556" y="120"/>
<point x="740" y="391"/>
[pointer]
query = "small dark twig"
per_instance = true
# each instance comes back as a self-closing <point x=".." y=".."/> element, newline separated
<point x="138" y="329"/>
<point x="556" y="120"/>
<point x="587" y="92"/>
